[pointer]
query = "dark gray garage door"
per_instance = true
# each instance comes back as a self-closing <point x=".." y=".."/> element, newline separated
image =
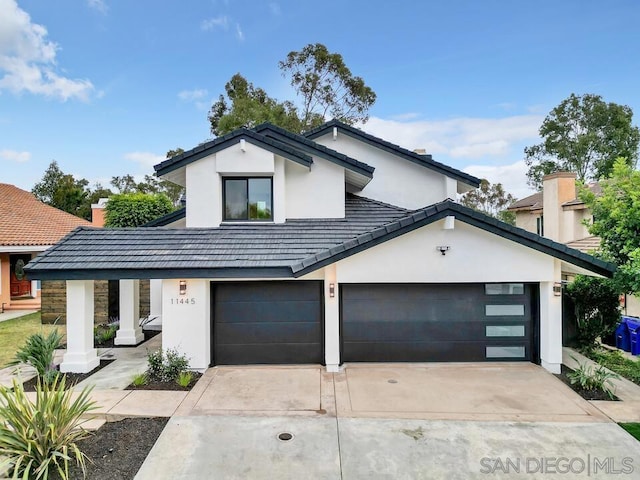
<point x="266" y="322"/>
<point x="453" y="322"/>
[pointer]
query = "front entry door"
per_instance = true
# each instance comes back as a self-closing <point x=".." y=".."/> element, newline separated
<point x="19" y="284"/>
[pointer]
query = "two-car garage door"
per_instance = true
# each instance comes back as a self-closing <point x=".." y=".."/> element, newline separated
<point x="282" y="322"/>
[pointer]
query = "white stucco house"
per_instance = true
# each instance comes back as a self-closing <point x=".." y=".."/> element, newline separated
<point x="331" y="247"/>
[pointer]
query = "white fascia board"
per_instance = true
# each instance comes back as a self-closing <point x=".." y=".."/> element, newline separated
<point x="23" y="248"/>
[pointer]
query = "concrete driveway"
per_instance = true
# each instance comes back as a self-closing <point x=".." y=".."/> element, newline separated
<point x="389" y="422"/>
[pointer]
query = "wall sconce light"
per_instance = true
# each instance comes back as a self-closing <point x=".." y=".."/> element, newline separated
<point x="332" y="290"/>
<point x="443" y="249"/>
<point x="183" y="287"/>
<point x="557" y="289"/>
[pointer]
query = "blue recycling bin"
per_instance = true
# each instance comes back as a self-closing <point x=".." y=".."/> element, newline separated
<point x="623" y="342"/>
<point x="634" y="335"/>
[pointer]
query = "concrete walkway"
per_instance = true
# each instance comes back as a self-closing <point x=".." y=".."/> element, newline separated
<point x="11" y="314"/>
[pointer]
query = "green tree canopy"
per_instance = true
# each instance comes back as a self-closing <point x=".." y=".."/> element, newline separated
<point x="616" y="213"/>
<point x="61" y="190"/>
<point x="135" y="209"/>
<point x="150" y="184"/>
<point x="492" y="200"/>
<point x="585" y="135"/>
<point x="323" y="83"/>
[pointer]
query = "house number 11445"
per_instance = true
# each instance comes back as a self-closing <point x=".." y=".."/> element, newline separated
<point x="183" y="301"/>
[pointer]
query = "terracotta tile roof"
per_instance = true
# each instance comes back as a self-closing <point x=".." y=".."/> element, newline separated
<point x="24" y="220"/>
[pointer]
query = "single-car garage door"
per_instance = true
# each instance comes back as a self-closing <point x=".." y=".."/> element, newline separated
<point x="266" y="322"/>
<point x="440" y="323"/>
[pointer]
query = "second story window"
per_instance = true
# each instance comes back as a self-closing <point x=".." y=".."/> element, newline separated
<point x="248" y="199"/>
<point x="540" y="226"/>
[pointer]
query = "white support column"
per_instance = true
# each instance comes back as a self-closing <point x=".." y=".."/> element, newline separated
<point x="155" y="307"/>
<point x="331" y="320"/>
<point x="186" y="320"/>
<point x="80" y="356"/>
<point x="129" y="332"/>
<point x="551" y="325"/>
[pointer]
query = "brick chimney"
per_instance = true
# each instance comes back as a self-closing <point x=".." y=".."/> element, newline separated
<point x="97" y="212"/>
<point x="557" y="188"/>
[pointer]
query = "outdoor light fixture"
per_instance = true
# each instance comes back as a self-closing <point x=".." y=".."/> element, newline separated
<point x="443" y="249"/>
<point x="332" y="290"/>
<point x="557" y="289"/>
<point x="183" y="287"/>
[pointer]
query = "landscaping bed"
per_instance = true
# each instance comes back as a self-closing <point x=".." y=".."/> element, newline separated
<point x="108" y="343"/>
<point x="616" y="362"/>
<point x="118" y="449"/>
<point x="592" y="394"/>
<point x="172" y="385"/>
<point x="71" y="378"/>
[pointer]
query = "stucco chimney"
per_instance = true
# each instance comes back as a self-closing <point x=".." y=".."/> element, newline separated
<point x="557" y="188"/>
<point x="97" y="212"/>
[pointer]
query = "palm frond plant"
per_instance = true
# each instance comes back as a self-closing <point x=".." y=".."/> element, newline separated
<point x="39" y="351"/>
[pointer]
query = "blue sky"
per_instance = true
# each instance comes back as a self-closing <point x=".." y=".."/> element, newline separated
<point x="106" y="87"/>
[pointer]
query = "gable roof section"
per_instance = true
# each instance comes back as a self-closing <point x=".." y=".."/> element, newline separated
<point x="425" y="216"/>
<point x="292" y="249"/>
<point x="532" y="202"/>
<point x="25" y="220"/>
<point x="310" y="146"/>
<point x="170" y="217"/>
<point x="422" y="160"/>
<point x="226" y="141"/>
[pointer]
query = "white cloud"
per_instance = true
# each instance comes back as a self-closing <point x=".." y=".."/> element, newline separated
<point x="221" y="21"/>
<point x="28" y="58"/>
<point x="239" y="33"/>
<point x="98" y="5"/>
<point x="192" y="95"/>
<point x="467" y="138"/>
<point x="513" y="177"/>
<point x="145" y="159"/>
<point x="15" y="156"/>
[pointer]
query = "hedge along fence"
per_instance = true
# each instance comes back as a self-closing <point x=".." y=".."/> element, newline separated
<point x="54" y="300"/>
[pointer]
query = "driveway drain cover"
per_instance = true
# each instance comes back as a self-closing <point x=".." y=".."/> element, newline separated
<point x="285" y="436"/>
<point x="392" y="381"/>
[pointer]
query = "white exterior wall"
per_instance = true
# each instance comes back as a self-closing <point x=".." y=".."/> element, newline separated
<point x="395" y="180"/>
<point x="318" y="193"/>
<point x="204" y="194"/>
<point x="186" y="326"/>
<point x="475" y="256"/>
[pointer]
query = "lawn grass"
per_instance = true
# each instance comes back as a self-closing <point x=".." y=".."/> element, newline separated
<point x="618" y="363"/>
<point x="13" y="334"/>
<point x="632" y="428"/>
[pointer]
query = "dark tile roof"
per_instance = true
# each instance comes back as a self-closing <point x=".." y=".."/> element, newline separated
<point x="171" y="217"/>
<point x="251" y="249"/>
<point x="293" y="248"/>
<point x="225" y="141"/>
<point x="283" y="135"/>
<point x="423" y="160"/>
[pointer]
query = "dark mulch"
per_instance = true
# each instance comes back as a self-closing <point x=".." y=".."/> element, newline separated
<point x="157" y="385"/>
<point x="118" y="449"/>
<point x="71" y="378"/>
<point x="586" y="394"/>
<point x="148" y="335"/>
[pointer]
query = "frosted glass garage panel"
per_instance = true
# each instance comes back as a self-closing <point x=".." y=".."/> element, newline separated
<point x="504" y="288"/>
<point x="504" y="330"/>
<point x="504" y="310"/>
<point x="496" y="351"/>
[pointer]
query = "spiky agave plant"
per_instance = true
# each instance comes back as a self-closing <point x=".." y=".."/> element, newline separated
<point x="40" y="437"/>
<point x="38" y="351"/>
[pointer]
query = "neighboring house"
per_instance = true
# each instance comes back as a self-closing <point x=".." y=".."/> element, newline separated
<point x="27" y="228"/>
<point x="331" y="247"/>
<point x="557" y="213"/>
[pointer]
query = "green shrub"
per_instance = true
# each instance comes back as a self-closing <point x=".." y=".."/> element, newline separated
<point x="596" y="307"/>
<point x="104" y="332"/>
<point x="590" y="378"/>
<point x="38" y="351"/>
<point x="39" y="438"/>
<point x="167" y="366"/>
<point x="617" y="362"/>
<point x="135" y="209"/>
<point x="184" y="379"/>
<point x="140" y="379"/>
